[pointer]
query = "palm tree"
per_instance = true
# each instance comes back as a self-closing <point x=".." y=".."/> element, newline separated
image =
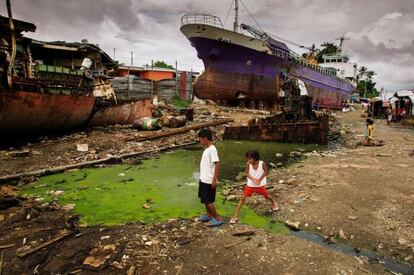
<point x="362" y="72"/>
<point x="327" y="48"/>
<point x="370" y="75"/>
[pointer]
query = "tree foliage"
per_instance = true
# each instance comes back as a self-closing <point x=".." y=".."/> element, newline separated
<point x="327" y="48"/>
<point x="366" y="85"/>
<point x="162" y="64"/>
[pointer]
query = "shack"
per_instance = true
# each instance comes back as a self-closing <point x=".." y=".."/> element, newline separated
<point x="132" y="82"/>
<point x="403" y="104"/>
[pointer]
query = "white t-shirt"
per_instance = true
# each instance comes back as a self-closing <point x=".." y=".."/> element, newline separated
<point x="256" y="174"/>
<point x="208" y="159"/>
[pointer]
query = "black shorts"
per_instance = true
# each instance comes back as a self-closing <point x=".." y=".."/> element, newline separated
<point x="206" y="193"/>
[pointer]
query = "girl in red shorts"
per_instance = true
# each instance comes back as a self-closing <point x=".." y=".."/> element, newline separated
<point x="256" y="173"/>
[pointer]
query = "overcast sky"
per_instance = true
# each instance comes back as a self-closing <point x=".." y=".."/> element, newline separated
<point x="380" y="32"/>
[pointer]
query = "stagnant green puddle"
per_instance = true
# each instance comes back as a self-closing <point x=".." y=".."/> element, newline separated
<point x="116" y="194"/>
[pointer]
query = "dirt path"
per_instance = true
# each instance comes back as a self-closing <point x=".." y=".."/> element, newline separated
<point x="368" y="192"/>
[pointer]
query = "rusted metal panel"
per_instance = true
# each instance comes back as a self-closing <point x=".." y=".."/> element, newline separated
<point x="30" y="111"/>
<point x="123" y="113"/>
<point x="299" y="132"/>
<point x="234" y="86"/>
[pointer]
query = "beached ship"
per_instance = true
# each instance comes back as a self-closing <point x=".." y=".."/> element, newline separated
<point x="240" y="67"/>
<point x="37" y="97"/>
<point x="53" y="86"/>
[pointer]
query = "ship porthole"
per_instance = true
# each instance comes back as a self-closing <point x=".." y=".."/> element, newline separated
<point x="248" y="62"/>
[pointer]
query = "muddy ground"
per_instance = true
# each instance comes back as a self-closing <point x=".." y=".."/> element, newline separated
<point x="367" y="192"/>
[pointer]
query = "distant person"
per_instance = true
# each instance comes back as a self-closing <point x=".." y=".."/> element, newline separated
<point x="317" y="105"/>
<point x="389" y="115"/>
<point x="209" y="169"/>
<point x="256" y="173"/>
<point x="370" y="130"/>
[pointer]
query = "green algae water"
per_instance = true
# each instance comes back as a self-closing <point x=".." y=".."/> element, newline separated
<point x="167" y="184"/>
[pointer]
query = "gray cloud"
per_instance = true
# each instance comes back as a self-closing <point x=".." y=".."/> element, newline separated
<point x="78" y="12"/>
<point x="381" y="32"/>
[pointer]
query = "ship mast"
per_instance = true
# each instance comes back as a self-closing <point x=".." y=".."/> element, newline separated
<point x="341" y="42"/>
<point x="236" y="16"/>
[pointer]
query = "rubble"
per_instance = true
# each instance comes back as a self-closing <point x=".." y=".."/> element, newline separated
<point x="293" y="225"/>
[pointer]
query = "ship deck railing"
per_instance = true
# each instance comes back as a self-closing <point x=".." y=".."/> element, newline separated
<point x="205" y="19"/>
<point x="301" y="61"/>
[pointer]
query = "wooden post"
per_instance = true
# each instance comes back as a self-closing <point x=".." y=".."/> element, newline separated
<point x="277" y="82"/>
<point x="13" y="44"/>
<point x="128" y="83"/>
<point x="176" y="80"/>
<point x="152" y="85"/>
<point x="30" y="63"/>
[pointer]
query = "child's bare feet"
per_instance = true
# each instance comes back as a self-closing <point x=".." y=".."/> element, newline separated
<point x="233" y="220"/>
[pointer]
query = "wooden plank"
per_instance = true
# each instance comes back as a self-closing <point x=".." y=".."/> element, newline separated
<point x="58" y="169"/>
<point x="181" y="130"/>
<point x="34" y="249"/>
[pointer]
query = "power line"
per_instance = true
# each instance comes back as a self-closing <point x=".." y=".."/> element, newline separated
<point x="273" y="35"/>
<point x="228" y="12"/>
<point x="251" y="16"/>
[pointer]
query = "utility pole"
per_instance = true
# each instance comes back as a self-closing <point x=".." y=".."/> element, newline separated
<point x="236" y="16"/>
<point x="132" y="58"/>
<point x="114" y="53"/>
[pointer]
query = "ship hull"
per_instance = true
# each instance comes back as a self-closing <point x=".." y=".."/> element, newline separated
<point x="34" y="112"/>
<point x="240" y="67"/>
<point x="122" y="113"/>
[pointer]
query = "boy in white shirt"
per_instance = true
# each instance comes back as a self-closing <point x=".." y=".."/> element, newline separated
<point x="209" y="168"/>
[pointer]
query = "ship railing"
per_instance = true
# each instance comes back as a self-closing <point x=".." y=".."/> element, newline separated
<point x="205" y="19"/>
<point x="301" y="61"/>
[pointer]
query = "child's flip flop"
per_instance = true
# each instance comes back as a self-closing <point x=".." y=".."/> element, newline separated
<point x="233" y="220"/>
<point x="213" y="222"/>
<point x="204" y="218"/>
<point x="275" y="208"/>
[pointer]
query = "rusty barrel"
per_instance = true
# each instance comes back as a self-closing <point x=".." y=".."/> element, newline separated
<point x="148" y="124"/>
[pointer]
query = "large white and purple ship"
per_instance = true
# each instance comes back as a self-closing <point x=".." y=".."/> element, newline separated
<point x="251" y="67"/>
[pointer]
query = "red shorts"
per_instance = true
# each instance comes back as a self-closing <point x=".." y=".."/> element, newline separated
<point x="248" y="191"/>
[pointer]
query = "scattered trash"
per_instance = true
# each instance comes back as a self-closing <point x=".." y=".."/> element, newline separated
<point x="293" y="225"/>
<point x="83" y="147"/>
<point x="18" y="153"/>
<point x="146" y="206"/>
<point x="148" y="124"/>
<point x="341" y="234"/>
<point x="68" y="207"/>
<point x="246" y="232"/>
<point x="237" y="243"/>
<point x="95" y="261"/>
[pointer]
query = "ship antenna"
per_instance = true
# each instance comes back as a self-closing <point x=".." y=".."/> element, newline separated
<point x="236" y="16"/>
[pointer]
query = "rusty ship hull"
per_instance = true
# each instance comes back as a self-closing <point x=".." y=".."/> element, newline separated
<point x="23" y="111"/>
<point x="122" y="113"/>
<point x="238" y="66"/>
